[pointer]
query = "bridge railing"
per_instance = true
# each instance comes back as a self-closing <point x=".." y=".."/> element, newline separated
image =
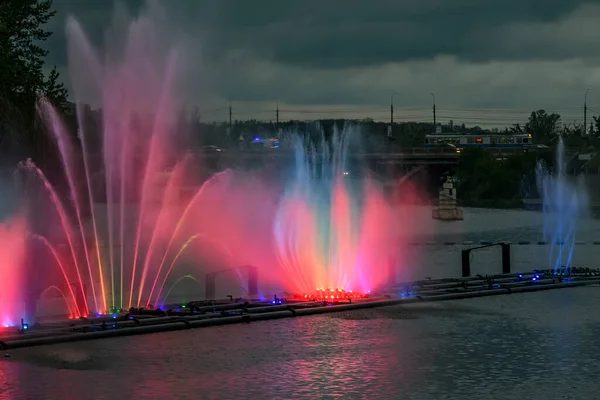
<point x="426" y="150"/>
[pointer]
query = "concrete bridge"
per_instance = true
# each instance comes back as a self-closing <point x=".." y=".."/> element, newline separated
<point x="405" y="155"/>
<point x="427" y="166"/>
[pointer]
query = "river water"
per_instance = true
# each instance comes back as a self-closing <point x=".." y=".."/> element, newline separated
<point x="543" y="345"/>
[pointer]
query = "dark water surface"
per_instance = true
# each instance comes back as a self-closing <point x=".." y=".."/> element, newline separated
<point x="543" y="345"/>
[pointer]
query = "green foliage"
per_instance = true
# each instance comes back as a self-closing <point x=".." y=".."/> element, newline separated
<point x="543" y="126"/>
<point x="483" y="177"/>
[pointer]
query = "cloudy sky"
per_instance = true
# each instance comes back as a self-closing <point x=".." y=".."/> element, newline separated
<point x="488" y="62"/>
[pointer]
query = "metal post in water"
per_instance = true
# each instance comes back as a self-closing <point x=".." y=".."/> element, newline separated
<point x="31" y="302"/>
<point x="391" y="271"/>
<point x="505" y="258"/>
<point x="81" y="292"/>
<point x="252" y="281"/>
<point x="210" y="285"/>
<point x="466" y="263"/>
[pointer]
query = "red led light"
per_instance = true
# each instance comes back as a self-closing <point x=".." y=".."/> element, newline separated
<point x="330" y="295"/>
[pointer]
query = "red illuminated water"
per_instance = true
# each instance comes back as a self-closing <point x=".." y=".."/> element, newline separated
<point x="12" y="294"/>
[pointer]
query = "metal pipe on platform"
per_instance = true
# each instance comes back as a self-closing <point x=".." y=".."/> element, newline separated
<point x="162" y="324"/>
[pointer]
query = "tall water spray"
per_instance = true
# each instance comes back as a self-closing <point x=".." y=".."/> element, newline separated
<point x="334" y="230"/>
<point x="122" y="222"/>
<point x="12" y="259"/>
<point x="563" y="204"/>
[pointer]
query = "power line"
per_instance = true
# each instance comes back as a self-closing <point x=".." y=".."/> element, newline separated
<point x="484" y="117"/>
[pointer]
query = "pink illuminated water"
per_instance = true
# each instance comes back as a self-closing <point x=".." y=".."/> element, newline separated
<point x="121" y="254"/>
<point x="12" y="259"/>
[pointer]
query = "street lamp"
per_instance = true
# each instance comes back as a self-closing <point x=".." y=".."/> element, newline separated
<point x="585" y="112"/>
<point x="434" y="120"/>
<point x="392" y="106"/>
<point x="390" y="129"/>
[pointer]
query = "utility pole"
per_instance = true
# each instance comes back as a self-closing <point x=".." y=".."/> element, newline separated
<point x="230" y="130"/>
<point x="390" y="129"/>
<point x="277" y="129"/>
<point x="434" y="120"/>
<point x="585" y="112"/>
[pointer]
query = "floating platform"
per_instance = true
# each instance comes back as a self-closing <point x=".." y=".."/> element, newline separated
<point x="454" y="214"/>
<point x="205" y="314"/>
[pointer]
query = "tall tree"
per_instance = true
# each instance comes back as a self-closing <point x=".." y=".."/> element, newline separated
<point x="543" y="126"/>
<point x="22" y="77"/>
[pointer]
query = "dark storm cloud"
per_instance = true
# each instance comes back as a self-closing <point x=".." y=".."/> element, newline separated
<point x="337" y="34"/>
<point x="333" y="33"/>
<point x="472" y="53"/>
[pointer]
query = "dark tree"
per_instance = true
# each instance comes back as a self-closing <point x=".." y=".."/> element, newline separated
<point x="595" y="127"/>
<point x="543" y="126"/>
<point x="22" y="77"/>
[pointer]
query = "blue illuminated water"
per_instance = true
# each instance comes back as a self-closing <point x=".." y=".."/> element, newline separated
<point x="563" y="204"/>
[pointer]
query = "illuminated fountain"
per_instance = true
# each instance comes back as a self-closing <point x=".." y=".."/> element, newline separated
<point x="335" y="235"/>
<point x="12" y="258"/>
<point x="119" y="229"/>
<point x="563" y="204"/>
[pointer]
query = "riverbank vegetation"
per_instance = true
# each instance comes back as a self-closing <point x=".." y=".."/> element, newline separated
<point x="486" y="179"/>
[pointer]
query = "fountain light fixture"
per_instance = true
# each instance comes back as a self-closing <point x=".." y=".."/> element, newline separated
<point x="321" y="294"/>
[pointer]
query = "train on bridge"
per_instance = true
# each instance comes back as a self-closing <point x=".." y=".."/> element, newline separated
<point x="463" y="140"/>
